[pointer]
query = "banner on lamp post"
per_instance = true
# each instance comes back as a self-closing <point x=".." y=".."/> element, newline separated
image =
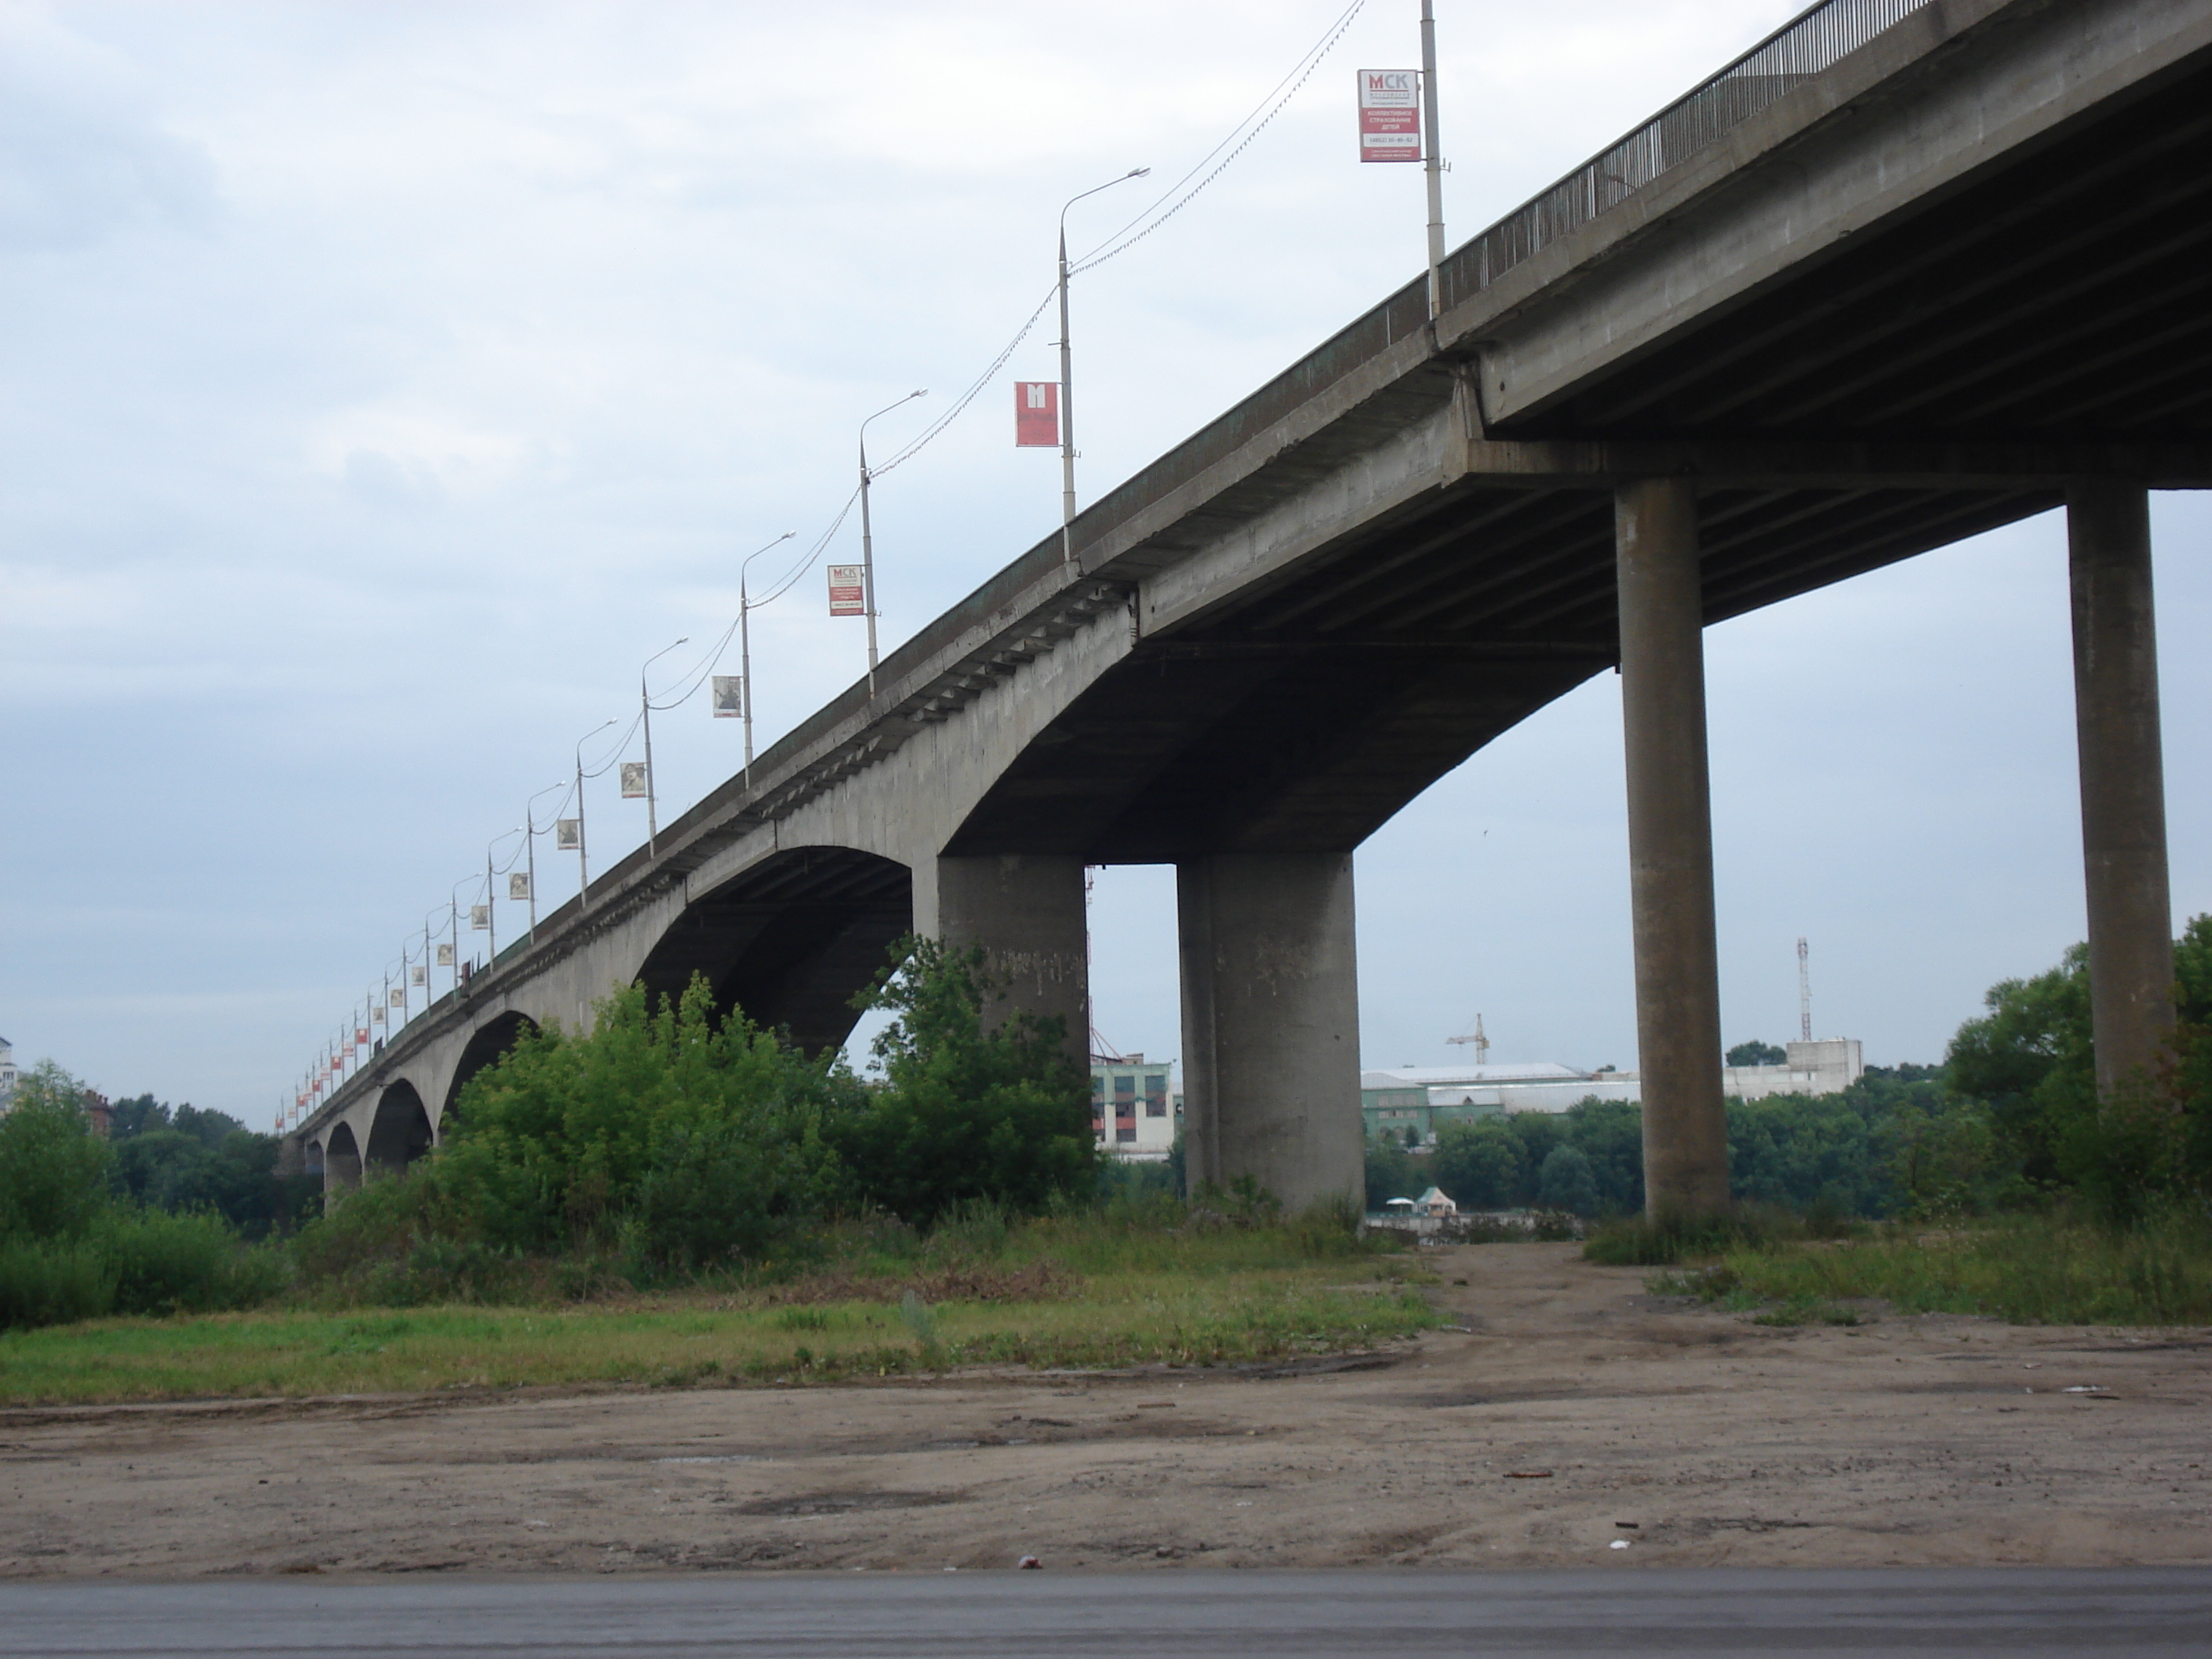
<point x="480" y="918"/>
<point x="518" y="886"/>
<point x="848" y="594"/>
<point x="567" y="834"/>
<point x="418" y="975"/>
<point x="1036" y="414"/>
<point x="633" y="780"/>
<point x="361" y="1036"/>
<point x="445" y="954"/>
<point x="399" y="996"/>
<point x="1389" y="115"/>
<point x="376" y="1015"/>
<point x="729" y="696"/>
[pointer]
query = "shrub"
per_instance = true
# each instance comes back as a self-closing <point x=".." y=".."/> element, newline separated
<point x="966" y="1113"/>
<point x="52" y="1282"/>
<point x="195" y="1263"/>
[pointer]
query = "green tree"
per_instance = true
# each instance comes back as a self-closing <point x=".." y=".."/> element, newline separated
<point x="1479" y="1163"/>
<point x="53" y="1169"/>
<point x="965" y="1112"/>
<point x="1756" y="1053"/>
<point x="1391" y="1171"/>
<point x="1610" y="1135"/>
<point x="2031" y="1058"/>
<point x="1566" y="1182"/>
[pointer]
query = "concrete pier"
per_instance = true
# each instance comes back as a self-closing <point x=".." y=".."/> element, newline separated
<point x="1670" y="844"/>
<point x="2123" y="776"/>
<point x="1028" y="912"/>
<point x="1270" y="1023"/>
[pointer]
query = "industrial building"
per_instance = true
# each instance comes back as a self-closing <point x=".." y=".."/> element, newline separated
<point x="1134" y="1112"/>
<point x="1425" y="1098"/>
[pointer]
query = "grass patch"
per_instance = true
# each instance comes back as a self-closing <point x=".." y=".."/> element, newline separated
<point x="698" y="1338"/>
<point x="1643" y="1241"/>
<point x="2031" y="1270"/>
<point x="1072" y="1291"/>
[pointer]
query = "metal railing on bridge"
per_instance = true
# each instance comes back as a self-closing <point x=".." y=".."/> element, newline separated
<point x="1814" y="40"/>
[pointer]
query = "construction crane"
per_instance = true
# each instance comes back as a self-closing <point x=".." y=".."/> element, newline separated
<point x="1475" y="1036"/>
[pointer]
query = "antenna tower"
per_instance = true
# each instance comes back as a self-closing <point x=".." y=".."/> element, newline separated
<point x="1804" y="994"/>
<point x="1481" y="1042"/>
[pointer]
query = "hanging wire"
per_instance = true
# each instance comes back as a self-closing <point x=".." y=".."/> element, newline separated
<point x="1135" y="230"/>
<point x="1250" y="127"/>
<point x="975" y="389"/>
<point x="697" y="676"/>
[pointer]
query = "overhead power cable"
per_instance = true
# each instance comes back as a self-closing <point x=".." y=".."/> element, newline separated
<point x="1240" y="137"/>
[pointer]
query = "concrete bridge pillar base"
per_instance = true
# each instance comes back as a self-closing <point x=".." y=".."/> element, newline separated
<point x="1270" y="1024"/>
<point x="1670" y="847"/>
<point x="2123" y="777"/>
<point x="1027" y="911"/>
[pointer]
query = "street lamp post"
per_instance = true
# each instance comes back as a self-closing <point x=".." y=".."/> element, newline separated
<point x="1067" y="381"/>
<point x="1434" y="168"/>
<point x="745" y="639"/>
<point x="491" y="900"/>
<point x="583" y="869"/>
<point x="529" y="825"/>
<point x="453" y="912"/>
<point x="867" y="539"/>
<point x="645" y="705"/>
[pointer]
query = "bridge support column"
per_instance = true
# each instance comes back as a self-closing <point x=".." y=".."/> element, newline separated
<point x="2123" y="777"/>
<point x="1670" y="847"/>
<point x="1270" y="1024"/>
<point x="1028" y="912"/>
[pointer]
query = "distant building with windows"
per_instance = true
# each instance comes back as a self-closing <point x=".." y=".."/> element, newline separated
<point x="7" y="1074"/>
<point x="1133" y="1110"/>
<point x="1424" y="1098"/>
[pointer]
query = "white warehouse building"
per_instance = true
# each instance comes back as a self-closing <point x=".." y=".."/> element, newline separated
<point x="1425" y="1098"/>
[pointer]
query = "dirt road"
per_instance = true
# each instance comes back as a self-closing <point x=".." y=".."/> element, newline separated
<point x="1575" y="1413"/>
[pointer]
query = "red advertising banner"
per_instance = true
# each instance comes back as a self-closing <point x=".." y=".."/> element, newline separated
<point x="847" y="597"/>
<point x="1036" y="414"/>
<point x="1389" y="115"/>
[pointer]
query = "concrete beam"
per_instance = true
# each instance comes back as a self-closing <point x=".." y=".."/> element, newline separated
<point x="2123" y="779"/>
<point x="1941" y="94"/>
<point x="1670" y="849"/>
<point x="1270" y="1024"/>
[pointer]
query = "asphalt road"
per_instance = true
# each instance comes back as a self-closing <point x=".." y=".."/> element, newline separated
<point x="2021" y="1611"/>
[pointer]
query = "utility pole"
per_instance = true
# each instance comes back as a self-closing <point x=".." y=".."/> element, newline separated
<point x="1067" y="378"/>
<point x="867" y="561"/>
<point x="1433" y="167"/>
<point x="645" y="708"/>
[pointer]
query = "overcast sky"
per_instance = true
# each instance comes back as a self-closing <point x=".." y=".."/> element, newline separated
<point x="383" y="382"/>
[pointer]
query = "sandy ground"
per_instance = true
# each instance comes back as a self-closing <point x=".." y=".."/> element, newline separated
<point x="1575" y="1413"/>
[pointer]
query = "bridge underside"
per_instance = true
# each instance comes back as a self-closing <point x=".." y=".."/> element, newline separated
<point x="1303" y="718"/>
<point x="791" y="940"/>
<point x="2060" y="296"/>
<point x="2067" y="292"/>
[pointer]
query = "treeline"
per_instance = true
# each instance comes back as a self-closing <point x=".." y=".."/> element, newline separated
<point x="663" y="1144"/>
<point x="2011" y="1118"/>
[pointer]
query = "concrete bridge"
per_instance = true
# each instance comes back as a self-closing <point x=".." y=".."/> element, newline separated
<point x="1912" y="270"/>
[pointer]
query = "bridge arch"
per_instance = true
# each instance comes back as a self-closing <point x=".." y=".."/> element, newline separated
<point x="341" y="1159"/>
<point x="790" y="941"/>
<point x="489" y="1042"/>
<point x="399" y="1132"/>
